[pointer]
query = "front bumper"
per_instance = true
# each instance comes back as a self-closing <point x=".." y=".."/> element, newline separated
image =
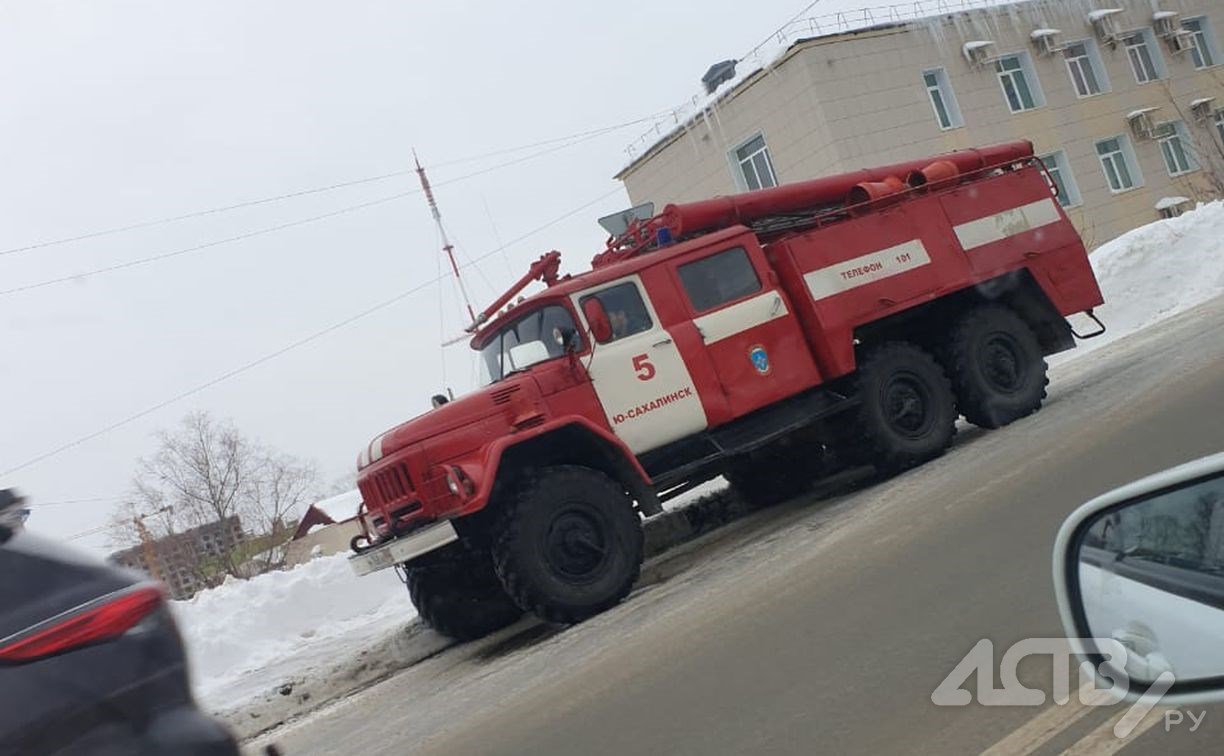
<point x="404" y="548"/>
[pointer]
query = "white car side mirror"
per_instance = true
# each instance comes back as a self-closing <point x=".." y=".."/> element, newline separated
<point x="1141" y="570"/>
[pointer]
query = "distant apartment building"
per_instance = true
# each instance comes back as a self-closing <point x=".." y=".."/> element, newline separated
<point x="1123" y="99"/>
<point x="182" y="560"/>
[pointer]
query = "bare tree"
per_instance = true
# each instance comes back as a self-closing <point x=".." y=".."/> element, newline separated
<point x="281" y="487"/>
<point x="206" y="471"/>
<point x="343" y="484"/>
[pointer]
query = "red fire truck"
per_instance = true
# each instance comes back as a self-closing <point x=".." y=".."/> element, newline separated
<point x="764" y="337"/>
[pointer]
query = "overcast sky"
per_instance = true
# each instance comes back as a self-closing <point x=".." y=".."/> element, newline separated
<point x="118" y="113"/>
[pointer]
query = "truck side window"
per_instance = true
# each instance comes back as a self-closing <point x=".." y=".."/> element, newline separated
<point x="626" y="310"/>
<point x="715" y="280"/>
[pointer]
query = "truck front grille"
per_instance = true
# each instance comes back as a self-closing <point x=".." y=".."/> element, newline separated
<point x="389" y="486"/>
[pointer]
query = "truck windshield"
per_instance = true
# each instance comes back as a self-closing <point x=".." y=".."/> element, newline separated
<point x="531" y="339"/>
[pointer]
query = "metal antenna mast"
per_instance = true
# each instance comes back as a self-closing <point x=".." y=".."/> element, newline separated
<point x="446" y="245"/>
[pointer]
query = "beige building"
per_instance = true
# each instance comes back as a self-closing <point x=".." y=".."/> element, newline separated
<point x="1123" y="98"/>
<point x="327" y="527"/>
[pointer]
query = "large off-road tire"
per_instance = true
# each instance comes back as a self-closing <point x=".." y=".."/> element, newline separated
<point x="457" y="593"/>
<point x="775" y="474"/>
<point x="569" y="544"/>
<point x="998" y="371"/>
<point x="907" y="413"/>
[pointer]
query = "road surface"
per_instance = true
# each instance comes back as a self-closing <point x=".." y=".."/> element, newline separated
<point x="824" y="626"/>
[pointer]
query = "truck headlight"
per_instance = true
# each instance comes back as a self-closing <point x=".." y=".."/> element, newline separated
<point x="458" y="482"/>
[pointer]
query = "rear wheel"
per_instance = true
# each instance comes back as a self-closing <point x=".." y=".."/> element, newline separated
<point x="907" y="413"/>
<point x="996" y="365"/>
<point x="457" y="593"/>
<point x="570" y="544"/>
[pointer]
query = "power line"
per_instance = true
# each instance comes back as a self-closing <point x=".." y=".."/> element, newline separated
<point x="781" y="28"/>
<point x="85" y="533"/>
<point x="198" y="247"/>
<point x="581" y="136"/>
<point x="63" y="502"/>
<point x="291" y="346"/>
<point x="200" y="213"/>
<point x="279" y="227"/>
<point x="591" y="133"/>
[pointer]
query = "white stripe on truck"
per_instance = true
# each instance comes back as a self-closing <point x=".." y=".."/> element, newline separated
<point x="738" y="318"/>
<point x="850" y="274"/>
<point x="1006" y="224"/>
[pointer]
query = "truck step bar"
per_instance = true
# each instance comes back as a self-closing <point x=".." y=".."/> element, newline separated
<point x="683" y="465"/>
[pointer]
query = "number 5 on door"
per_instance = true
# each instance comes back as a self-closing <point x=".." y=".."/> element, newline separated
<point x="643" y="367"/>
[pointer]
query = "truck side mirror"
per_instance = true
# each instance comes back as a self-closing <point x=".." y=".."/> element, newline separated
<point x="1139" y="578"/>
<point x="597" y="318"/>
<point x="567" y="338"/>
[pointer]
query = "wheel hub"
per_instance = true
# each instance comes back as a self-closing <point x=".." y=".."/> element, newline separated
<point x="576" y="546"/>
<point x="907" y="405"/>
<point x="1001" y="363"/>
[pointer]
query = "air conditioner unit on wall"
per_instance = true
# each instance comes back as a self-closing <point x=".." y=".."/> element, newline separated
<point x="1180" y="42"/>
<point x="1202" y="109"/>
<point x="1142" y="125"/>
<point x="977" y="52"/>
<point x="1164" y="23"/>
<point x="1046" y="41"/>
<point x="1104" y="23"/>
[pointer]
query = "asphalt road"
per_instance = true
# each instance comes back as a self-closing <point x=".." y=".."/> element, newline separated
<point x="825" y="625"/>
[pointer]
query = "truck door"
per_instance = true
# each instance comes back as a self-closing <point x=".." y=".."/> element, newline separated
<point x="638" y="374"/>
<point x="747" y="326"/>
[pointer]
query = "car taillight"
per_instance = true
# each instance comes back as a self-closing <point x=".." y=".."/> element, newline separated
<point x="99" y="620"/>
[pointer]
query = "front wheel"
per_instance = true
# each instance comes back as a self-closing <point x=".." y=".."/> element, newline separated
<point x="907" y="413"/>
<point x="570" y="544"/>
<point x="457" y="593"/>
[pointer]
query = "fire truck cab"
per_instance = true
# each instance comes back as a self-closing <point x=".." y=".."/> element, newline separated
<point x="769" y="337"/>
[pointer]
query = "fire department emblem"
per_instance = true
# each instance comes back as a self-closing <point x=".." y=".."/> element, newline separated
<point x="760" y="359"/>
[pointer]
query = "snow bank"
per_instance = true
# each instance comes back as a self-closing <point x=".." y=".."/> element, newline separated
<point x="1158" y="271"/>
<point x="247" y="636"/>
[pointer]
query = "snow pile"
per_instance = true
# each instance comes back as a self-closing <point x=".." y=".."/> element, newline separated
<point x="1159" y="270"/>
<point x="247" y="636"/>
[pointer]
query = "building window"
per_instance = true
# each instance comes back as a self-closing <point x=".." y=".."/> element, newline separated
<point x="1145" y="60"/>
<point x="1118" y="162"/>
<point x="1086" y="74"/>
<point x="943" y="99"/>
<point x="1064" y="186"/>
<point x="719" y="279"/>
<point x="627" y="312"/>
<point x="1019" y="82"/>
<point x="755" y="167"/>
<point x="1204" y="49"/>
<point x="1174" y="147"/>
